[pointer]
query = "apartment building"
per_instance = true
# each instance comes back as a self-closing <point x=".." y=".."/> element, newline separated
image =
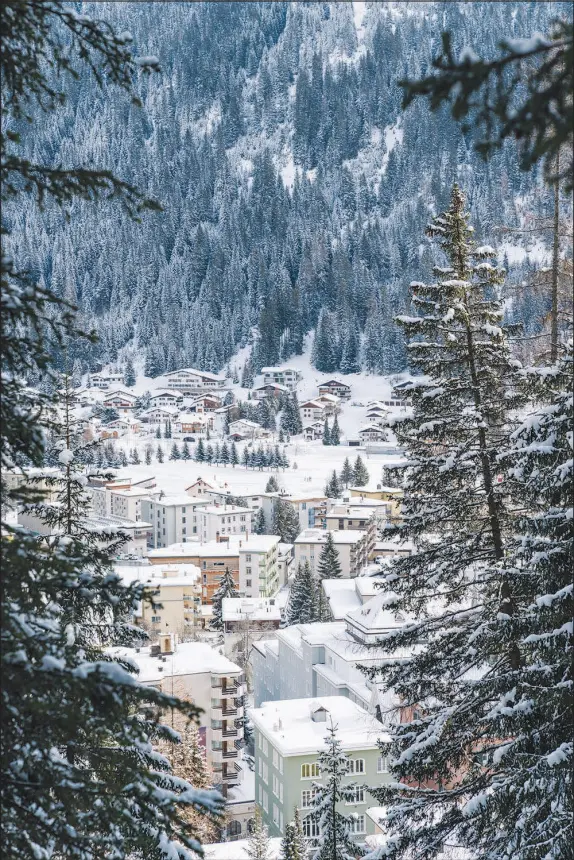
<point x="258" y="566"/>
<point x="120" y="497"/>
<point x="197" y="672"/>
<point x="288" y="736"/>
<point x="211" y="558"/>
<point x="287" y="376"/>
<point x="352" y="545"/>
<point x="136" y="534"/>
<point x="392" y="496"/>
<point x="175" y="519"/>
<point x="175" y="606"/>
<point x="365" y="515"/>
<point x="188" y="379"/>
<point x="217" y="521"/>
<point x="311" y="510"/>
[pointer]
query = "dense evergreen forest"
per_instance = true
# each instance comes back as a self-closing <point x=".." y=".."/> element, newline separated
<point x="294" y="191"/>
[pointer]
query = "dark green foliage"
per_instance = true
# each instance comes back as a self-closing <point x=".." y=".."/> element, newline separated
<point x="302" y="603"/>
<point x="285" y="521"/>
<point x="329" y="566"/>
<point x="272" y="486"/>
<point x="360" y="473"/>
<point x="326" y="433"/>
<point x="347" y="474"/>
<point x="226" y="589"/>
<point x="200" y="451"/>
<point x="333" y="488"/>
<point x="335" y="432"/>
<point x="175" y="452"/>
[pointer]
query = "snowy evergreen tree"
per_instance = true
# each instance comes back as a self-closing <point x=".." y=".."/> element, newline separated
<point x="158" y="432"/>
<point x="326" y="433"/>
<point x="335" y="432"/>
<point x="285" y="521"/>
<point x="302" y="603"/>
<point x="185" y="452"/>
<point x="148" y="455"/>
<point x="160" y="454"/>
<point x="200" y="451"/>
<point x="258" y="844"/>
<point x="129" y="374"/>
<point x="462" y="584"/>
<point x="225" y="456"/>
<point x="175" y="452"/>
<point x="333" y="488"/>
<point x="233" y="457"/>
<point x="272" y="486"/>
<point x="334" y="841"/>
<point x="347" y="473"/>
<point x="329" y="566"/>
<point x="225" y="589"/>
<point x="260" y="524"/>
<point x="167" y="430"/>
<point x="293" y="846"/>
<point x="360" y="473"/>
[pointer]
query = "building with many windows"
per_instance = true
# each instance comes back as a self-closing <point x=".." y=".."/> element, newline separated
<point x="175" y="519"/>
<point x="224" y="520"/>
<point x="258" y="566"/>
<point x="354" y="548"/>
<point x="288" y="736"/>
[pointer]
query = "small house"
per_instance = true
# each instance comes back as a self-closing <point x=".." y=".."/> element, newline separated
<point x="313" y="431"/>
<point x="372" y="433"/>
<point x="312" y="410"/>
<point x="334" y="386"/>
<point x="270" y="389"/>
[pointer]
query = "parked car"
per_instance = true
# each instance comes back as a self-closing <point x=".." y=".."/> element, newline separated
<point x="189" y="438"/>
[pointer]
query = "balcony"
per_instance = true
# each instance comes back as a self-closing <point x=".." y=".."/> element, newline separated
<point x="229" y="733"/>
<point x="216" y="756"/>
<point x="229" y="712"/>
<point x="230" y="752"/>
<point x="217" y="734"/>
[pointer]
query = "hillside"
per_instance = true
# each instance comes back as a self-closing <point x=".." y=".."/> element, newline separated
<point x="295" y="192"/>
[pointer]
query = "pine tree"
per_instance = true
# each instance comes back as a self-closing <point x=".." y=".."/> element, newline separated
<point x="226" y="589"/>
<point x="158" y="432"/>
<point x="245" y="457"/>
<point x="185" y="452"/>
<point x="189" y="763"/>
<point x="302" y="603"/>
<point x="334" y="841"/>
<point x="159" y="454"/>
<point x="285" y="521"/>
<point x="123" y="459"/>
<point x="272" y="486"/>
<point x="293" y="845"/>
<point x="209" y="454"/>
<point x="329" y="565"/>
<point x="347" y="473"/>
<point x="360" y="473"/>
<point x="174" y="453"/>
<point x="167" y="430"/>
<point x="335" y="433"/>
<point x="217" y="453"/>
<point x="258" y="844"/>
<point x="129" y="374"/>
<point x="233" y="458"/>
<point x="333" y="489"/>
<point x="326" y="433"/>
<point x="200" y="451"/>
<point x="471" y="678"/>
<point x="148" y="455"/>
<point x="260" y="525"/>
<point x="135" y="457"/>
<point x="225" y="457"/>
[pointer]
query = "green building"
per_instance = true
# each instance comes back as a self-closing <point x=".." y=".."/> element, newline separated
<point x="289" y="735"/>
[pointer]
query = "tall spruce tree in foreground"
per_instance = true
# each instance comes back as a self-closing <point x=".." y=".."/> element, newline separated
<point x="258" y="843"/>
<point x="334" y="841"/>
<point x="79" y="774"/>
<point x="302" y="603"/>
<point x="459" y="584"/>
<point x="346" y="473"/>
<point x="226" y="589"/>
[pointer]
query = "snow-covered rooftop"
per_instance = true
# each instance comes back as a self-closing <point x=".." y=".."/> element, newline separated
<point x="341" y="595"/>
<point x="254" y="609"/>
<point x="289" y="727"/>
<point x="180" y="499"/>
<point x="239" y="849"/>
<point x="189" y="658"/>
<point x="159" y="576"/>
<point x="340" y="536"/>
<point x="224" y="509"/>
<point x="373" y="487"/>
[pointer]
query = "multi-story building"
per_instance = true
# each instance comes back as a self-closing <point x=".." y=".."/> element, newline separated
<point x="224" y="520"/>
<point x="353" y="546"/>
<point x="334" y="386"/>
<point x="212" y="558"/>
<point x="197" y="672"/>
<point x="359" y="514"/>
<point x="174" y="519"/>
<point x="102" y="490"/>
<point x="288" y="737"/>
<point x="285" y="558"/>
<point x="313" y="410"/>
<point x="270" y="389"/>
<point x="175" y="606"/>
<point x="312" y="510"/>
<point x="392" y="496"/>
<point x="163" y="397"/>
<point x="136" y="534"/>
<point x="106" y="380"/>
<point x="244" y="428"/>
<point x="287" y="376"/>
<point x="122" y="401"/>
<point x="190" y="380"/>
<point x="321" y="659"/>
<point x="258" y="568"/>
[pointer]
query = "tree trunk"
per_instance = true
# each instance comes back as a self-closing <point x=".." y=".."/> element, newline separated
<point x="555" y="262"/>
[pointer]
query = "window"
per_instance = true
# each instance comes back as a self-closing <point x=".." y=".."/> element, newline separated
<point x="259" y="767"/>
<point x="275" y="786"/>
<point x="275" y="759"/>
<point x="357" y="824"/>
<point x="383" y="764"/>
<point x="183" y="519"/>
<point x="265" y="746"/>
<point x="264" y="801"/>
<point x="265" y="774"/>
<point x="356" y="765"/>
<point x="155" y="619"/>
<point x="248" y="571"/>
<point x="307" y="798"/>
<point x="241" y="519"/>
<point x="281" y="822"/>
<point x="248" y="557"/>
<point x="358" y="795"/>
<point x="234" y="828"/>
<point x="276" y="814"/>
<point x="248" y="583"/>
<point x="280" y="759"/>
<point x="310" y="771"/>
<point x="310" y="828"/>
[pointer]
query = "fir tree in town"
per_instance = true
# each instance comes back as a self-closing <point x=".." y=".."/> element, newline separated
<point x="293" y="846"/>
<point x="135" y="457"/>
<point x="302" y="603"/>
<point x="158" y="432"/>
<point x="200" y="451"/>
<point x="334" y="840"/>
<point x="188" y="761"/>
<point x="225" y="457"/>
<point x="272" y="486"/>
<point x="347" y="473"/>
<point x="245" y="457"/>
<point x="159" y="454"/>
<point x="468" y="680"/>
<point x="258" y="847"/>
<point x="360" y="473"/>
<point x="225" y="589"/>
<point x="79" y="774"/>
<point x="285" y="521"/>
<point x="209" y="457"/>
<point x="233" y="457"/>
<point x="333" y="488"/>
<point x="123" y="458"/>
<point x="129" y="374"/>
<point x="185" y="452"/>
<point x="167" y="430"/>
<point x="326" y="433"/>
<point x="175" y="452"/>
<point x="335" y="432"/>
<point x="216" y="453"/>
<point x="260" y="524"/>
<point x="329" y="565"/>
<point x="148" y="455"/>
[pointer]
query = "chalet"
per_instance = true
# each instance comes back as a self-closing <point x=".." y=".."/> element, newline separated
<point x="204" y="403"/>
<point x="313" y="431"/>
<point x="330" y="402"/>
<point x="372" y="433"/>
<point x="201" y="487"/>
<point x="106" y="380"/>
<point x="119" y="427"/>
<point x="163" y="397"/>
<point x="193" y="422"/>
<point x="270" y="389"/>
<point x="158" y="415"/>
<point x="333" y="386"/>
<point x="122" y="401"/>
<point x="312" y="410"/>
<point x="376" y="414"/>
<point x="243" y="428"/>
<point x="287" y="376"/>
<point x="189" y="379"/>
<point x="220" y="416"/>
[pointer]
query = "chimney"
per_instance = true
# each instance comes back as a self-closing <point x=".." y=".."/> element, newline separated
<point x="166" y="643"/>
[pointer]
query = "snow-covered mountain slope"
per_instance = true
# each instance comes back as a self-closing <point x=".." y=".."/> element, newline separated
<point x="292" y="183"/>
